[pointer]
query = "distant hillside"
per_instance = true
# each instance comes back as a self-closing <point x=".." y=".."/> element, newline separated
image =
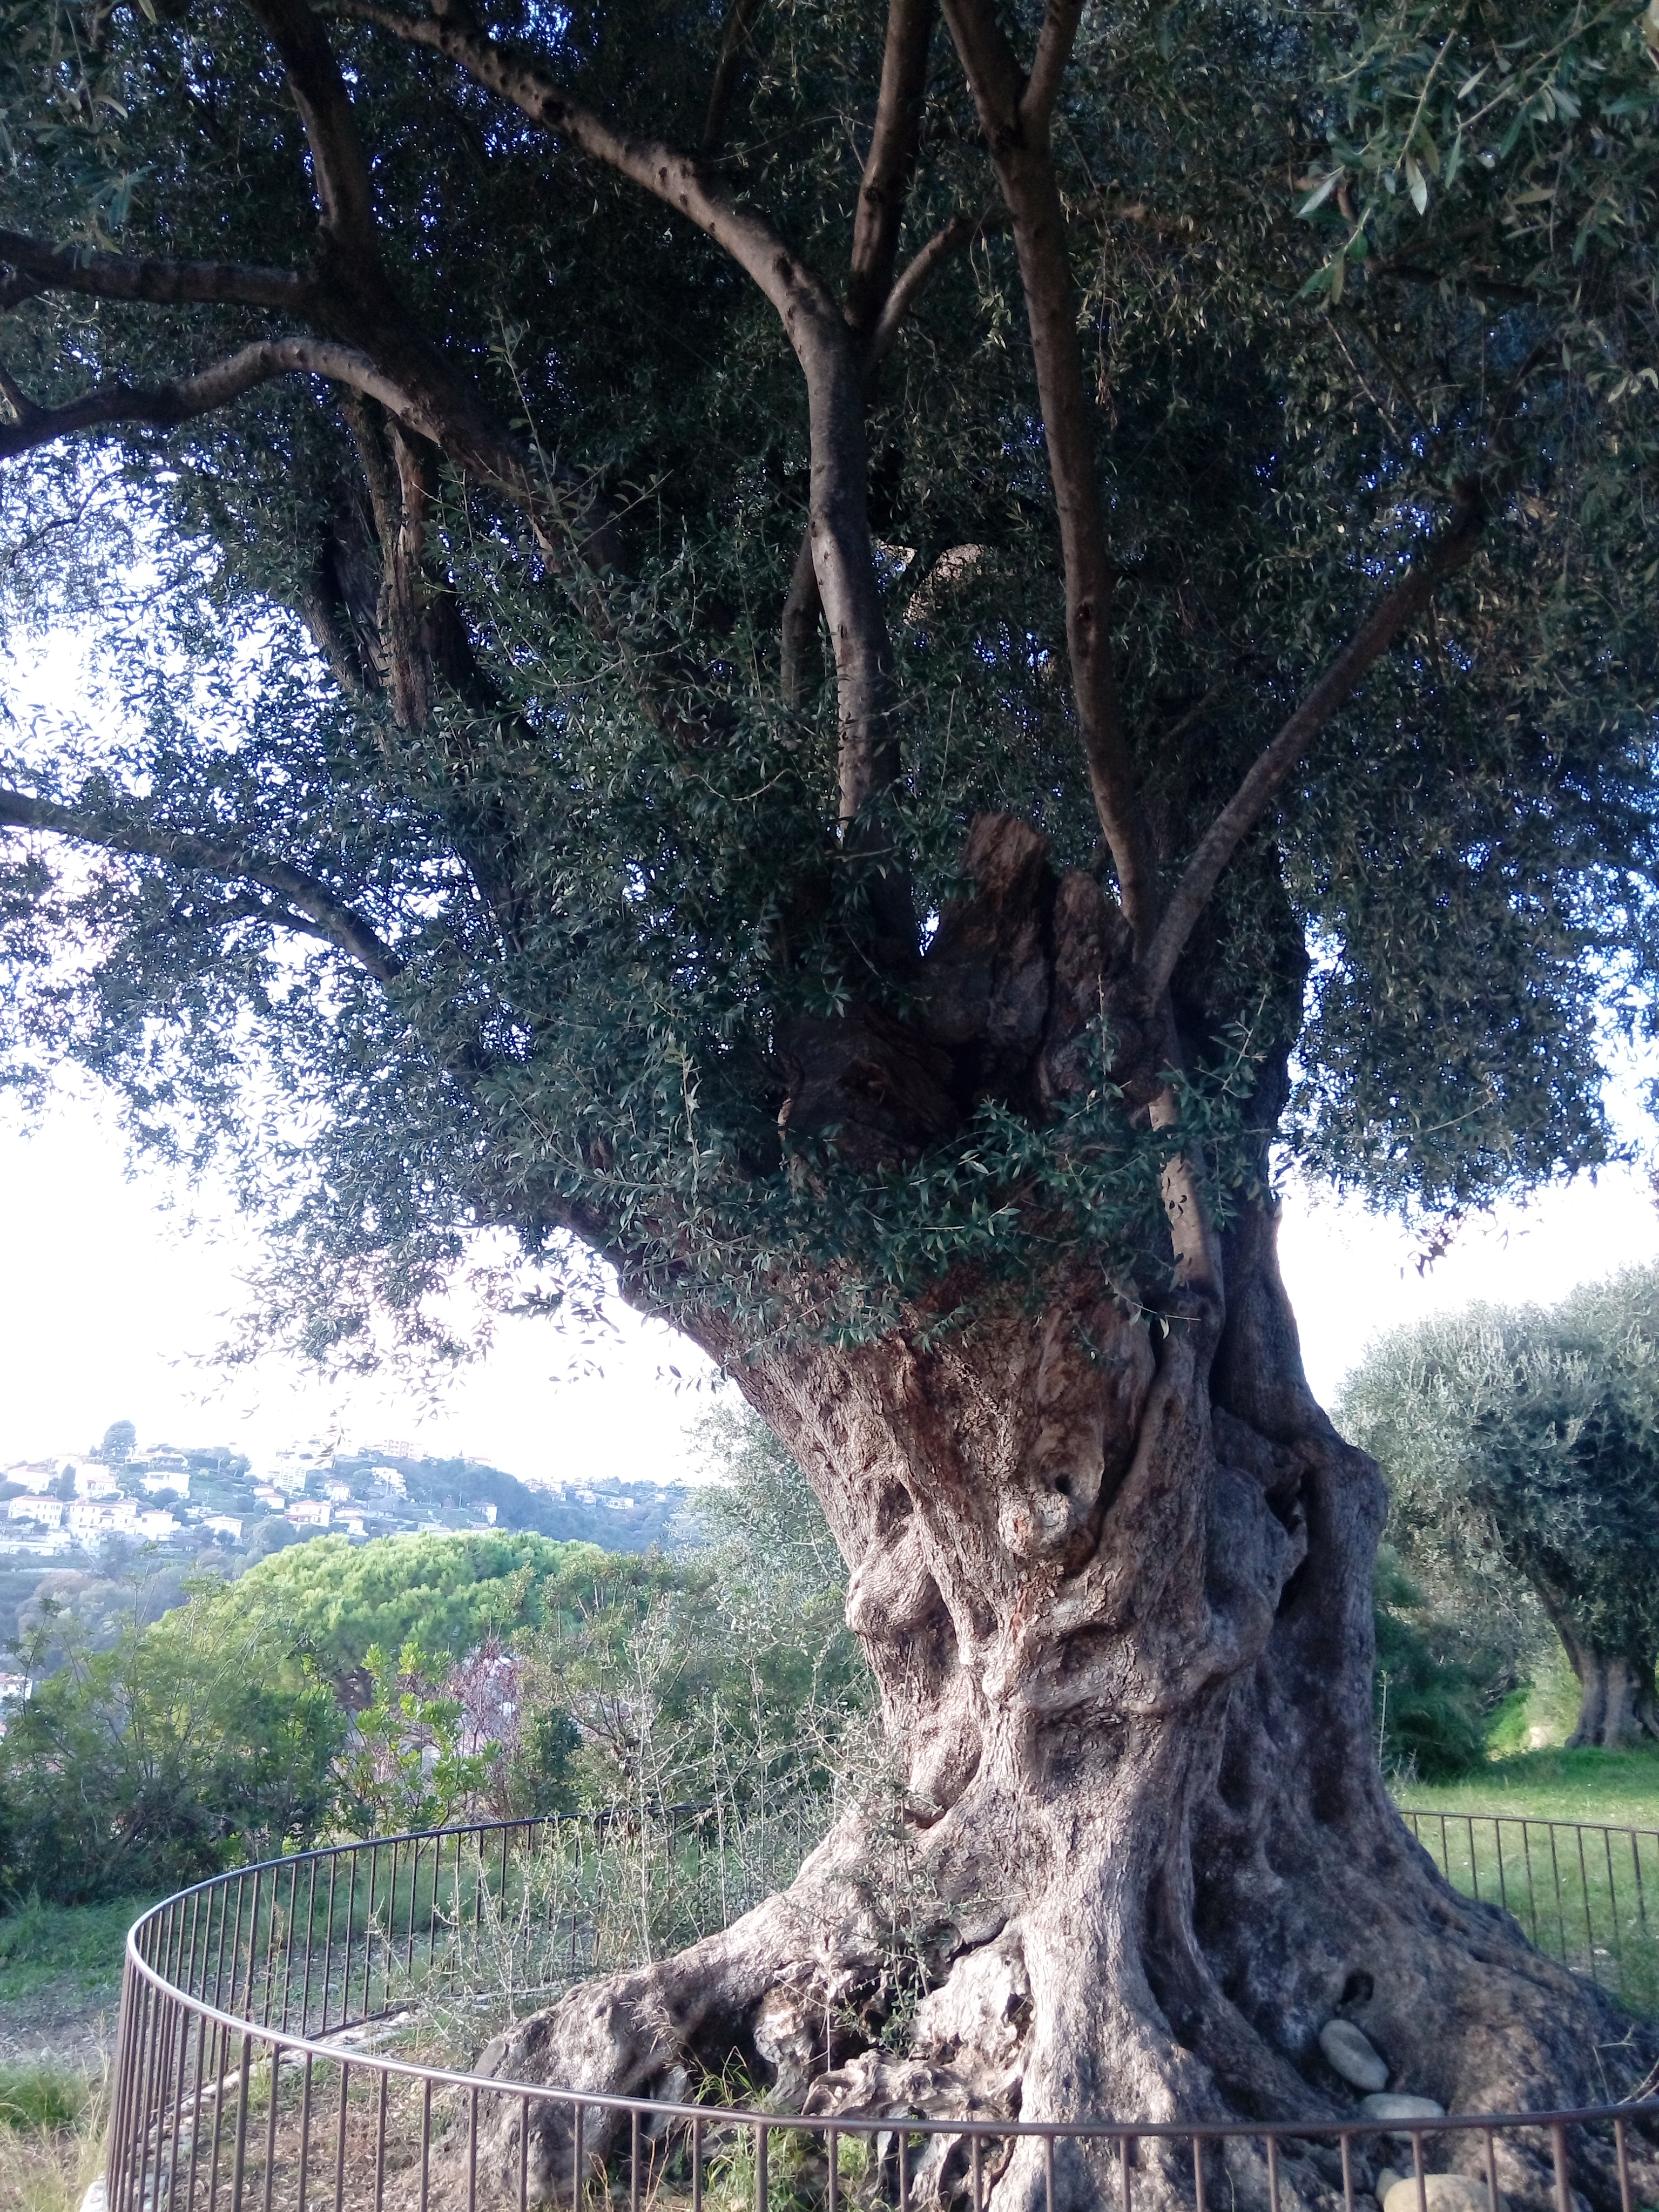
<point x="465" y="1486"/>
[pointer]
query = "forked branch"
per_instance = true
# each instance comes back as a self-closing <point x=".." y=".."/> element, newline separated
<point x="327" y="916"/>
<point x="1450" y="551"/>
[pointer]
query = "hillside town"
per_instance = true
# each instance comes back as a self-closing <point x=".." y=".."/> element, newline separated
<point x="193" y="1499"/>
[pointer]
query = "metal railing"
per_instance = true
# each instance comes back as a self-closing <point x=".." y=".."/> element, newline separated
<point x="253" y="2070"/>
<point x="1587" y="1895"/>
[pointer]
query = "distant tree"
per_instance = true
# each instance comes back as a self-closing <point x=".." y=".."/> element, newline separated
<point x="336" y="1600"/>
<point x="1524" y="1443"/>
<point x="119" y="1438"/>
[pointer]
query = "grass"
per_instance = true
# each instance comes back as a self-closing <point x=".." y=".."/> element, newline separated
<point x="51" y="2139"/>
<point x="47" y="1946"/>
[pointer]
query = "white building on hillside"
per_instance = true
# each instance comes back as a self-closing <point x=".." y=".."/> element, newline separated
<point x="48" y="1512"/>
<point x="310" y="1513"/>
<point x="175" y="1479"/>
<point x="224" y="1524"/>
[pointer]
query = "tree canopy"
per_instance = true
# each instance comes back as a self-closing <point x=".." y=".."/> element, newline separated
<point x="460" y="779"/>
<point x="1521" y="1441"/>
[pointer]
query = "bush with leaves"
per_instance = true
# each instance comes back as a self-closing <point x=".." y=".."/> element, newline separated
<point x="158" y="1762"/>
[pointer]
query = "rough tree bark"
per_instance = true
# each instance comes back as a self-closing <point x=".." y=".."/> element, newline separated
<point x="1113" y="1572"/>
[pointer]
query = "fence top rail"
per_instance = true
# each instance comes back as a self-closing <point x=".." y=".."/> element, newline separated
<point x="333" y="2052"/>
<point x="1527" y="1820"/>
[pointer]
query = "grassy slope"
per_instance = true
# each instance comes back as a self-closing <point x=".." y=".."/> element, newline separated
<point x="76" y="1948"/>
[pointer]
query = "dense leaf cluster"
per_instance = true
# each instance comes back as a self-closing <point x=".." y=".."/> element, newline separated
<point x="1332" y="261"/>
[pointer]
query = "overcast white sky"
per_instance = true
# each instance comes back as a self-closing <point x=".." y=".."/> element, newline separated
<point x="107" y="1301"/>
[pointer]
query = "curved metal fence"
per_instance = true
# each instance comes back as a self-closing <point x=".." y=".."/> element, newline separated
<point x="286" y="2032"/>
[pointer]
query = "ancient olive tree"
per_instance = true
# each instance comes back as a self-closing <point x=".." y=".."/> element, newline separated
<point x="1524" y="1443"/>
<point x="848" y="656"/>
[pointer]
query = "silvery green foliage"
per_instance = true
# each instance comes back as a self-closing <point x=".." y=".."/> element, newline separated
<point x="1524" y="1443"/>
<point x="1332" y="259"/>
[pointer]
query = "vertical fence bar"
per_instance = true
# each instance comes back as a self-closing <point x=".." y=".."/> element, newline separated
<point x="342" y="2124"/>
<point x="328" y="1940"/>
<point x="1124" y="2146"/>
<point x="633" y="2159"/>
<point x="196" y="2108"/>
<point x="1622" y="2149"/>
<point x="1048" y="2172"/>
<point x="696" y="2169"/>
<point x="218" y="2114"/>
<point x="1589" y="1928"/>
<point x="426" y="2140"/>
<point x="577" y="2177"/>
<point x="1272" y="2164"/>
<point x="305" y="2134"/>
<point x="240" y="2155"/>
<point x="179" y="2106"/>
<point x="524" y="2156"/>
<point x="1563" y="2185"/>
<point x="311" y="1950"/>
<point x="472" y="2151"/>
<point x="271" y="2124"/>
<point x="1347" y="2174"/>
<point x="1532" y="1887"/>
<point x="1493" y="2203"/>
<point x="1613" y="1911"/>
<point x="380" y="2095"/>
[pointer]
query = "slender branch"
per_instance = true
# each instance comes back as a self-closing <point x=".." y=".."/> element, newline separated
<point x="345" y="192"/>
<point x="1449" y="552"/>
<point x="1055" y="39"/>
<point x="890" y="166"/>
<point x="739" y="22"/>
<point x="1025" y="170"/>
<point x="160" y="406"/>
<point x="341" y="924"/>
<point x="946" y="243"/>
<point x="117" y="277"/>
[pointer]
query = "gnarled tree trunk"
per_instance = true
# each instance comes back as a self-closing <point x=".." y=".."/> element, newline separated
<point x="1112" y="1568"/>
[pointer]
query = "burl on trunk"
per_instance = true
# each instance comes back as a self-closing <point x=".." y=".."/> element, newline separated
<point x="1112" y="1567"/>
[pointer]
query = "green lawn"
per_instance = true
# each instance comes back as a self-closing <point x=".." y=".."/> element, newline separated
<point x="1620" y="1788"/>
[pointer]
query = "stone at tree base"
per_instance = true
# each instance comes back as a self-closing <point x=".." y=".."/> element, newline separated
<point x="1445" y="2192"/>
<point x="1352" y="2054"/>
<point x="1395" y="2107"/>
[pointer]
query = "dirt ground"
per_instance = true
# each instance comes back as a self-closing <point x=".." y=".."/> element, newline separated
<point x="62" y="2025"/>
